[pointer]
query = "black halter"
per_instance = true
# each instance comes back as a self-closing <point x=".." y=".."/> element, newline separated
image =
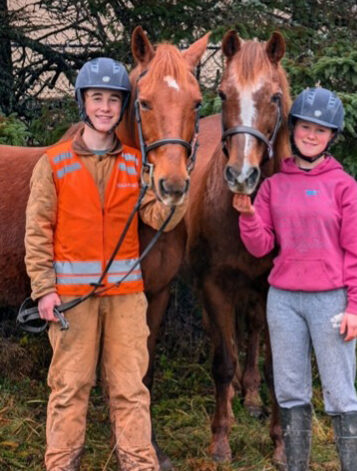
<point x="147" y="167"/>
<point x="254" y="132"/>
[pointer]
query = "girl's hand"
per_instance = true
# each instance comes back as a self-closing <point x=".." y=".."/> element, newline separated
<point x="243" y="204"/>
<point x="349" y="326"/>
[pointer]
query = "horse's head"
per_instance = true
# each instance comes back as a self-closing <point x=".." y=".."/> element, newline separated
<point x="255" y="101"/>
<point x="167" y="100"/>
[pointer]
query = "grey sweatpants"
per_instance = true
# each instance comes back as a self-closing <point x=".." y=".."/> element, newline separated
<point x="299" y="321"/>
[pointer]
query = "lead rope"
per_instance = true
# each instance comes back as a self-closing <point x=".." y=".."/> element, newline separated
<point x="30" y="314"/>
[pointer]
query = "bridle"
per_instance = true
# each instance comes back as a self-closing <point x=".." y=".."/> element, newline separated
<point x="29" y="312"/>
<point x="191" y="147"/>
<point x="254" y="132"/>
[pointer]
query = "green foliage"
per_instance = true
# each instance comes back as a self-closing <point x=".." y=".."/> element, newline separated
<point x="211" y="103"/>
<point x="13" y="131"/>
<point x="321" y="50"/>
<point x="53" y="120"/>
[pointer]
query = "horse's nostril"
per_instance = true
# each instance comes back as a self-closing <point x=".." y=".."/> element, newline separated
<point x="162" y="186"/>
<point x="187" y="186"/>
<point x="253" y="176"/>
<point x="230" y="174"/>
<point x="173" y="189"/>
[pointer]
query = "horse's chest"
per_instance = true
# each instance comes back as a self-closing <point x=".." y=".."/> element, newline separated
<point x="236" y="259"/>
<point x="164" y="260"/>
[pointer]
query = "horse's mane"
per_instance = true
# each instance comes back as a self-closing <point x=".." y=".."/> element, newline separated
<point x="167" y="61"/>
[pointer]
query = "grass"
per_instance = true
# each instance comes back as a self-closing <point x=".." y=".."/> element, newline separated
<point x="183" y="402"/>
<point x="182" y="405"/>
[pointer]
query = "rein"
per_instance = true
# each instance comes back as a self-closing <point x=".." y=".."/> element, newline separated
<point x="191" y="147"/>
<point x="27" y="314"/>
<point x="254" y="132"/>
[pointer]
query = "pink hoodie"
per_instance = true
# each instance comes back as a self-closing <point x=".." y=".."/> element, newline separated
<point x="312" y="218"/>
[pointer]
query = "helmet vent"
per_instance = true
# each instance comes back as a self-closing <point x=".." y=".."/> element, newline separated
<point x="94" y="65"/>
<point x="332" y="102"/>
<point x="310" y="96"/>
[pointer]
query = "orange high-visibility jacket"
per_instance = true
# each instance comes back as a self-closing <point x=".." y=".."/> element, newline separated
<point x="86" y="233"/>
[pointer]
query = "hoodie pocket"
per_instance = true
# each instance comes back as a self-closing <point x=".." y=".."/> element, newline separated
<point x="305" y="275"/>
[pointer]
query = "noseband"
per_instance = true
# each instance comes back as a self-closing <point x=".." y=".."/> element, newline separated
<point x="254" y="132"/>
<point x="191" y="147"/>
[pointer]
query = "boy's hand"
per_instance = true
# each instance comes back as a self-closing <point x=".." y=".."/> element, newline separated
<point x="46" y="305"/>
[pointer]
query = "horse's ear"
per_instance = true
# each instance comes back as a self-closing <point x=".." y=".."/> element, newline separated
<point x="275" y="47"/>
<point x="141" y="47"/>
<point x="194" y="53"/>
<point x="231" y="44"/>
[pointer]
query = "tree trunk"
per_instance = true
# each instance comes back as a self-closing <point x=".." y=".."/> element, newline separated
<point x="7" y="98"/>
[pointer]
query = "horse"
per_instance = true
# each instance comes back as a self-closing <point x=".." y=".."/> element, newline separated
<point x="230" y="282"/>
<point x="167" y="98"/>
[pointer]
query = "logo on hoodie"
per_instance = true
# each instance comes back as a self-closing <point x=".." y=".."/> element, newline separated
<point x="311" y="192"/>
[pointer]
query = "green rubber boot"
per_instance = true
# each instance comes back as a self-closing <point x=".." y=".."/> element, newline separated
<point x="296" y="425"/>
<point x="345" y="426"/>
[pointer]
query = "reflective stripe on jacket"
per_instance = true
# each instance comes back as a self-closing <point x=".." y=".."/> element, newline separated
<point x="86" y="233"/>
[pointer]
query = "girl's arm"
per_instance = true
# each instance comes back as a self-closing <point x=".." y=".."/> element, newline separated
<point x="348" y="241"/>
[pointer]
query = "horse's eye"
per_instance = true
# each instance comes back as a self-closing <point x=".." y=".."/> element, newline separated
<point x="222" y="95"/>
<point x="276" y="97"/>
<point x="145" y="105"/>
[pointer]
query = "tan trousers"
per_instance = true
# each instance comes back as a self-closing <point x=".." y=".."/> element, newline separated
<point x="114" y="329"/>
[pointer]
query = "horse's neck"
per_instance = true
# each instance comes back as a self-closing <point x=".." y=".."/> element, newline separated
<point x="127" y="130"/>
<point x="282" y="148"/>
<point x="219" y="198"/>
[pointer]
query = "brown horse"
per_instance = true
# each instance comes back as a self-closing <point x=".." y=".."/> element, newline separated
<point x="255" y="97"/>
<point x="168" y="96"/>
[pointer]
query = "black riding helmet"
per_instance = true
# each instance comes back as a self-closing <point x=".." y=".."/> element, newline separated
<point x="105" y="73"/>
<point x="320" y="106"/>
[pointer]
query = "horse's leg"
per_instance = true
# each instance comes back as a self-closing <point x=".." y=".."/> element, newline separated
<point x="251" y="375"/>
<point x="279" y="457"/>
<point x="157" y="305"/>
<point x="220" y="311"/>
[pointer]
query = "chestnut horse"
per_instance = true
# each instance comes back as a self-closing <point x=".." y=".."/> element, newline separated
<point x="168" y="98"/>
<point x="255" y="101"/>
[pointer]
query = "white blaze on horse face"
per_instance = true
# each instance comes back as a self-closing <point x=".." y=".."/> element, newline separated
<point x="171" y="82"/>
<point x="248" y="113"/>
<point x="245" y="172"/>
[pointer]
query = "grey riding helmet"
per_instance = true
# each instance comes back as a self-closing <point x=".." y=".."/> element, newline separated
<point x="105" y="73"/>
<point x="320" y="106"/>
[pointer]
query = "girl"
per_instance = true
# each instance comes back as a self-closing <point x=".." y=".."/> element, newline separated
<point x="309" y="210"/>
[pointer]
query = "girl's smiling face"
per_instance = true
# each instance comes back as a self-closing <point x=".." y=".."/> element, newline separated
<point x="310" y="138"/>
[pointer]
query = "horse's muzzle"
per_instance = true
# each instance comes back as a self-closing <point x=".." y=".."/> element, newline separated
<point x="242" y="182"/>
<point x="173" y="191"/>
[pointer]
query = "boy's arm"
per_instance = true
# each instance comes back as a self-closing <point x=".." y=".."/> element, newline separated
<point x="40" y="220"/>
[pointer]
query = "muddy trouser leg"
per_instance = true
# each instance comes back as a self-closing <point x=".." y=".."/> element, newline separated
<point x="124" y="363"/>
<point x="71" y="376"/>
<point x="345" y="426"/>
